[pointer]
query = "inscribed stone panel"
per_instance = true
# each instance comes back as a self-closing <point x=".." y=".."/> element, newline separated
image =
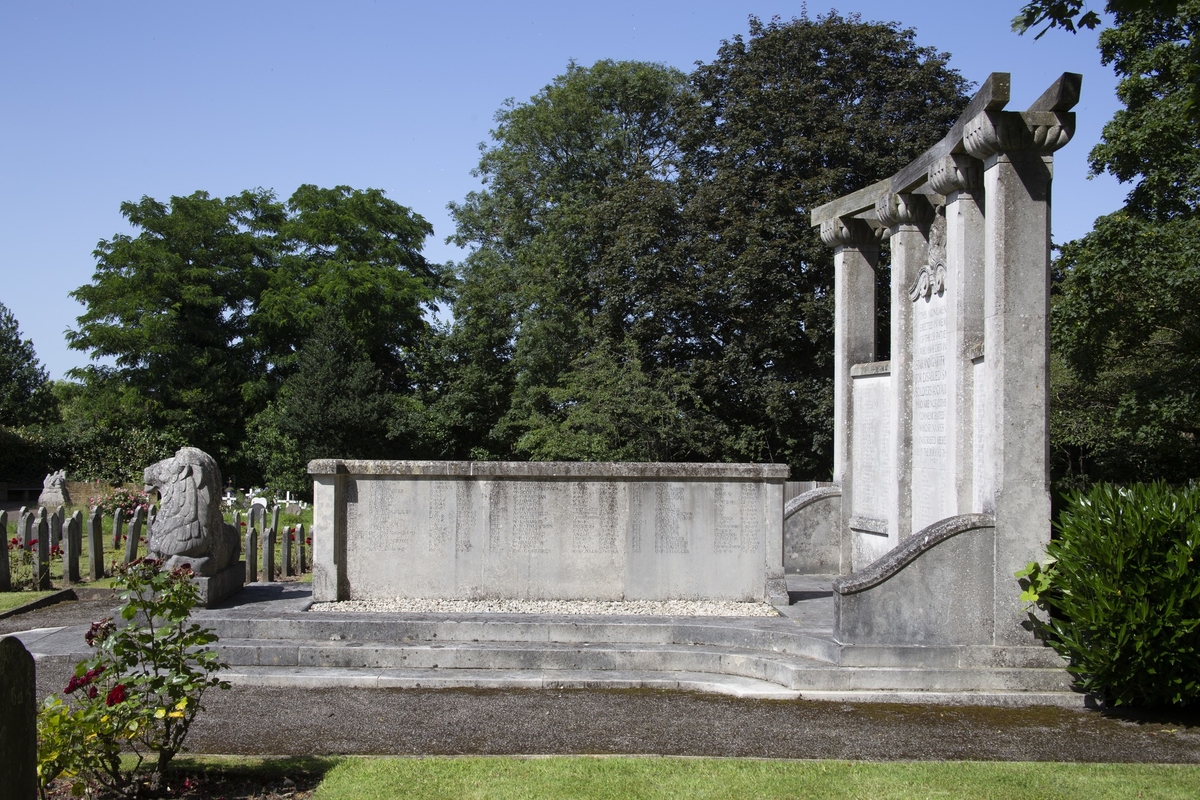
<point x="933" y="457"/>
<point x="380" y="520"/>
<point x="594" y="517"/>
<point x="871" y="446"/>
<point x="672" y="522"/>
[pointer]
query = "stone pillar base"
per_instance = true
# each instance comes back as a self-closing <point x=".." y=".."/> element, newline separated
<point x="224" y="584"/>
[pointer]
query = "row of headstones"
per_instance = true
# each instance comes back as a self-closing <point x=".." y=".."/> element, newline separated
<point x="42" y="532"/>
<point x="293" y="555"/>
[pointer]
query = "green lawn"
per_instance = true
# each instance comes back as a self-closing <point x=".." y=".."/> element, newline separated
<point x="13" y="599"/>
<point x="607" y="778"/>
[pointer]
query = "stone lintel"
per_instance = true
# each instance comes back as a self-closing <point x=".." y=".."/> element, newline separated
<point x="550" y="469"/>
<point x="1062" y="96"/>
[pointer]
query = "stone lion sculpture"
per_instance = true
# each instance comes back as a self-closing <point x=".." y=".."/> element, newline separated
<point x="54" y="490"/>
<point x="189" y="528"/>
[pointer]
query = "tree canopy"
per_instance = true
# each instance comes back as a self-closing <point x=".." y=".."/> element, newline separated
<point x="24" y="393"/>
<point x="206" y="311"/>
<point x="1126" y="309"/>
<point x="643" y="283"/>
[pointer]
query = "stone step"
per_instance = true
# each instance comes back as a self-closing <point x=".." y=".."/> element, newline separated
<point x="791" y="672"/>
<point x="315" y="677"/>
<point x="776" y="635"/>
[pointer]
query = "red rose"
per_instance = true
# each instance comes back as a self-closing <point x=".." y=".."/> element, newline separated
<point x="92" y="692"/>
<point x="115" y="695"/>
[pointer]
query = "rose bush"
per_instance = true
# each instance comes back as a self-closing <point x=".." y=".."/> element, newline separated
<point x="138" y="694"/>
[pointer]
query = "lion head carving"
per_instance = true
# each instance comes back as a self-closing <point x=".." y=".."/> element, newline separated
<point x="189" y="527"/>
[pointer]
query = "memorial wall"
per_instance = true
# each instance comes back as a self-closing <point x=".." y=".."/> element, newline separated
<point x="947" y="438"/>
<point x="473" y="530"/>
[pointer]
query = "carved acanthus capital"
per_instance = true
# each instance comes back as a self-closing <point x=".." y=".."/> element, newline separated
<point x="992" y="132"/>
<point x="895" y="210"/>
<point x="957" y="172"/>
<point x="849" y="232"/>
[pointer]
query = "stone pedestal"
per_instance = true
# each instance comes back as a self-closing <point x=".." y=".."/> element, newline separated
<point x="221" y="586"/>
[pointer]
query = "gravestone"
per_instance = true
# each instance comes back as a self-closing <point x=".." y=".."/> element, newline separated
<point x="56" y="527"/>
<point x="135" y="534"/>
<point x="250" y="548"/>
<point x="268" y="553"/>
<point x="118" y="529"/>
<point x="26" y="525"/>
<point x="41" y="552"/>
<point x="18" y="721"/>
<point x="72" y="543"/>
<point x="301" y="547"/>
<point x="286" y="539"/>
<point x="5" y="573"/>
<point x="95" y="544"/>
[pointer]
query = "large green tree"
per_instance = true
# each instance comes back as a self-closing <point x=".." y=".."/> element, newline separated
<point x="575" y="239"/>
<point x="795" y="115"/>
<point x="1126" y="313"/>
<point x="205" y="312"/>
<point x="643" y="282"/>
<point x="24" y="392"/>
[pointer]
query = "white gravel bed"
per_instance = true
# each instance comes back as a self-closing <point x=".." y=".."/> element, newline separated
<point x="680" y="608"/>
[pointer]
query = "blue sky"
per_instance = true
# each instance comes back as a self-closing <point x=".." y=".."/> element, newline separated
<point x="106" y="102"/>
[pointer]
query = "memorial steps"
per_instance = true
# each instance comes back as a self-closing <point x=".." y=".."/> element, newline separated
<point x="269" y="639"/>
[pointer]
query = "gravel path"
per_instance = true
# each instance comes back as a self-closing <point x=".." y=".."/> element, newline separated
<point x="692" y="608"/>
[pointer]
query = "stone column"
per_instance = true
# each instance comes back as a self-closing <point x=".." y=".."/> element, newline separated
<point x="855" y="254"/>
<point x="329" y="537"/>
<point x="960" y="178"/>
<point x="907" y="217"/>
<point x="1016" y="152"/>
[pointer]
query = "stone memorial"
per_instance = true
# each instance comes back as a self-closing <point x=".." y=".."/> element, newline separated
<point x="54" y="490"/>
<point x="469" y="530"/>
<point x="189" y="528"/>
<point x="940" y="451"/>
<point x="18" y="721"/>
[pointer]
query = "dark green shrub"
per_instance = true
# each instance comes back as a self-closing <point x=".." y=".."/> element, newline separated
<point x="1122" y="588"/>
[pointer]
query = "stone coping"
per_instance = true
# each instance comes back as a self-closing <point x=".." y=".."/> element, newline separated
<point x="806" y="499"/>
<point x="549" y="469"/>
<point x="908" y="550"/>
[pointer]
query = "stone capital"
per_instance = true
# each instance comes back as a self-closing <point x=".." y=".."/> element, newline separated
<point x="992" y="132"/>
<point x="849" y="232"/>
<point x="956" y="172"/>
<point x="895" y="210"/>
